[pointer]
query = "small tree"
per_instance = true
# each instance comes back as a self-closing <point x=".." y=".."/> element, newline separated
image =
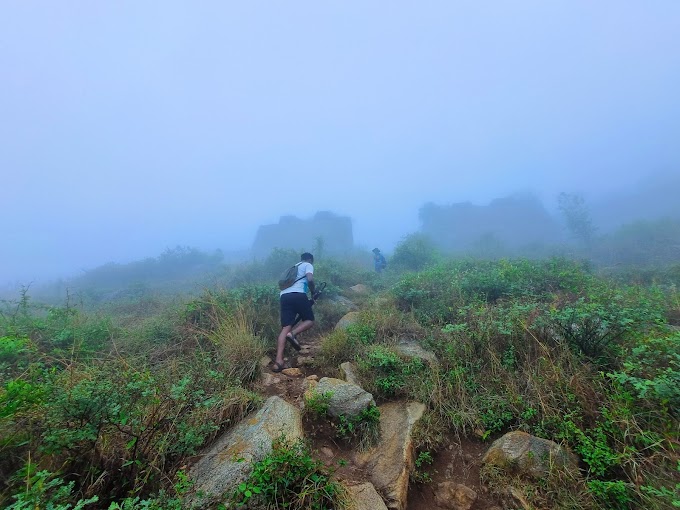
<point x="577" y="216"/>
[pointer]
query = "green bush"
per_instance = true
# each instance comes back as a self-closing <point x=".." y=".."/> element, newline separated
<point x="388" y="374"/>
<point x="414" y="253"/>
<point x="45" y="490"/>
<point x="651" y="371"/>
<point x="289" y="477"/>
<point x="597" y="325"/>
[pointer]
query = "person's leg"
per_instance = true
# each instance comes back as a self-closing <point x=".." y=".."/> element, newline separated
<point x="281" y="344"/>
<point x="287" y="302"/>
<point x="302" y="326"/>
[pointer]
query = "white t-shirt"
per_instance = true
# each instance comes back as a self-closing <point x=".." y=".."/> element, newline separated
<point x="301" y="284"/>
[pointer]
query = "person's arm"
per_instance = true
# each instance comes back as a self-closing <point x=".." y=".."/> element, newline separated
<point x="310" y="282"/>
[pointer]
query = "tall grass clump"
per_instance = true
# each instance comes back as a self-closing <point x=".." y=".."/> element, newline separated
<point x="236" y="346"/>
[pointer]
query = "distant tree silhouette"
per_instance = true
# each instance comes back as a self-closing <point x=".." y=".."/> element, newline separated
<point x="577" y="217"/>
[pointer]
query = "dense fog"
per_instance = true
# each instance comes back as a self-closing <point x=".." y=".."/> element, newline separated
<point x="130" y="129"/>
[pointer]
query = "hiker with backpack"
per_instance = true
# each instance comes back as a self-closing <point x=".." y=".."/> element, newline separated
<point x="294" y="285"/>
<point x="379" y="262"/>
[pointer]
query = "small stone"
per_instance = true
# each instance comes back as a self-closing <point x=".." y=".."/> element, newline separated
<point x="454" y="496"/>
<point x="349" y="373"/>
<point x="269" y="379"/>
<point x="292" y="372"/>
<point x="327" y="452"/>
<point x="312" y="377"/>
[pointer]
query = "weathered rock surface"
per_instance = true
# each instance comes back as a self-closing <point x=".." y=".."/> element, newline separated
<point x="229" y="460"/>
<point x="346" y="398"/>
<point x="360" y="288"/>
<point x="269" y="379"/>
<point x="342" y="301"/>
<point x="364" y="497"/>
<point x="454" y="496"/>
<point x="412" y="349"/>
<point x="349" y="372"/>
<point x="529" y="454"/>
<point x="347" y="320"/>
<point x="391" y="461"/>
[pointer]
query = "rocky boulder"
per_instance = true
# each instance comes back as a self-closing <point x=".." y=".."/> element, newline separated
<point x="343" y="302"/>
<point x="360" y="289"/>
<point x="347" y="320"/>
<point x="410" y="348"/>
<point x="345" y="398"/>
<point x="348" y="372"/>
<point x="527" y="454"/>
<point x="364" y="497"/>
<point x="391" y="461"/>
<point x="229" y="460"/>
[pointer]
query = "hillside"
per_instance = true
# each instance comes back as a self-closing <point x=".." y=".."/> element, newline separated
<point x="113" y="407"/>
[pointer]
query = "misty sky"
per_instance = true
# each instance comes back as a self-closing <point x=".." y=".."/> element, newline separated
<point x="128" y="127"/>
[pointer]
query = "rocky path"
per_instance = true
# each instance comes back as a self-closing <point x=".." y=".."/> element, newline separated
<point x="455" y="469"/>
<point x="382" y="476"/>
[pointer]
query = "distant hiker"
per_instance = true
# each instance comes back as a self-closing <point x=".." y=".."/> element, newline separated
<point x="294" y="286"/>
<point x="379" y="261"/>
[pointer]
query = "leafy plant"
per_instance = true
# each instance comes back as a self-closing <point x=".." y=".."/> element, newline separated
<point x="364" y="427"/>
<point x="652" y="372"/>
<point x="318" y="403"/>
<point x="45" y="490"/>
<point x="289" y="477"/>
<point x="420" y="474"/>
<point x="389" y="373"/>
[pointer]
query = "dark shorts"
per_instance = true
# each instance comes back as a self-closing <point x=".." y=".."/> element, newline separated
<point x="293" y="304"/>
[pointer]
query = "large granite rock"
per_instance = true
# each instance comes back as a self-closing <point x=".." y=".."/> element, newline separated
<point x="410" y="348"/>
<point x="391" y="461"/>
<point x="529" y="454"/>
<point x="229" y="460"/>
<point x="343" y="302"/>
<point x="346" y="398"/>
<point x="347" y="320"/>
<point x="364" y="497"/>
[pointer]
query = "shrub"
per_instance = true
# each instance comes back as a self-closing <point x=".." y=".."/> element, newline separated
<point x="45" y="490"/>
<point x="597" y="325"/>
<point x="651" y="371"/>
<point x="414" y="252"/>
<point x="386" y="372"/>
<point x="289" y="477"/>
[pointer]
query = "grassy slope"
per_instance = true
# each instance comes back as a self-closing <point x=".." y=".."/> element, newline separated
<point x="113" y="403"/>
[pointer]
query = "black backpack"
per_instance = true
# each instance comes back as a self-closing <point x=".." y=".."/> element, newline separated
<point x="289" y="277"/>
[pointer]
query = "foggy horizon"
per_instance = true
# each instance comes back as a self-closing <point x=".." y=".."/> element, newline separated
<point x="128" y="129"/>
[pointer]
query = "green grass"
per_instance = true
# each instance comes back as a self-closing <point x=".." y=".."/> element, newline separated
<point x="551" y="347"/>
